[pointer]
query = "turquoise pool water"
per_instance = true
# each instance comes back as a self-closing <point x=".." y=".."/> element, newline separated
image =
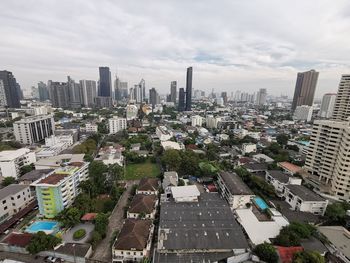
<point x="46" y="226"/>
<point x="260" y="203"/>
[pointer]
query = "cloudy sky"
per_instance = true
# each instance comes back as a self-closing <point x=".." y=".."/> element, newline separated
<point x="232" y="45"/>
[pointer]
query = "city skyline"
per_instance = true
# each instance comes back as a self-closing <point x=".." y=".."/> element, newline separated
<point x="228" y="50"/>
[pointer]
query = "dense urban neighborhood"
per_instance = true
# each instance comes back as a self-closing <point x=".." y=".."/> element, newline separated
<point x="112" y="175"/>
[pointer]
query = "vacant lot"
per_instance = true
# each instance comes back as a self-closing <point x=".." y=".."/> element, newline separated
<point x="137" y="171"/>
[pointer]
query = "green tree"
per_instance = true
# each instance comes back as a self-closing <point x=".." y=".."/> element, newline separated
<point x="101" y="223"/>
<point x="8" y="180"/>
<point x="266" y="252"/>
<point x="96" y="238"/>
<point x="282" y="139"/>
<point x="84" y="203"/>
<point x="70" y="216"/>
<point x="212" y="152"/>
<point x="97" y="173"/>
<point x="308" y="257"/>
<point x="336" y="212"/>
<point x="172" y="159"/>
<point x="41" y="242"/>
<point x="27" y="168"/>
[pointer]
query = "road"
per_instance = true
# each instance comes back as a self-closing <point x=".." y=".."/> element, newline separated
<point x="103" y="250"/>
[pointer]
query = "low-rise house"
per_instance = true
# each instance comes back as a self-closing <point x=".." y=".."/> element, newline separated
<point x="163" y="133"/>
<point x="133" y="242"/>
<point x="248" y="148"/>
<point x="262" y="158"/>
<point x="12" y="161"/>
<point x="289" y="167"/>
<point x="135" y="147"/>
<point x="256" y="168"/>
<point x="143" y="207"/>
<point x="234" y="190"/>
<point x="188" y="193"/>
<point x="91" y="127"/>
<point x="170" y="145"/>
<point x="111" y="155"/>
<point x="279" y="180"/>
<point x="148" y="186"/>
<point x="14" y="198"/>
<point x="16" y="242"/>
<point x="303" y="199"/>
<point x="339" y="237"/>
<point x="170" y="179"/>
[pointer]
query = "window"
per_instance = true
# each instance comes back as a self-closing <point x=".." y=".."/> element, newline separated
<point x="5" y="208"/>
<point x="18" y="196"/>
<point x="4" y="201"/>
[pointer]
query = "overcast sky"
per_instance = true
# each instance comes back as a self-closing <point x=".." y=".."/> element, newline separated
<point x="232" y="45"/>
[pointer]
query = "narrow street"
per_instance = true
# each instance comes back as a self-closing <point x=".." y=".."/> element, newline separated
<point x="103" y="250"/>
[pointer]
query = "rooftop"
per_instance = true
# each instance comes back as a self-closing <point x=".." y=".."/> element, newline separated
<point x="148" y="184"/>
<point x="35" y="175"/>
<point x="143" y="204"/>
<point x="290" y="167"/>
<point x="76" y="249"/>
<point x="56" y="161"/>
<point x="18" y="239"/>
<point x="12" y="154"/>
<point x="53" y="179"/>
<point x="338" y="236"/>
<point x="235" y="184"/>
<point x="184" y="191"/>
<point x="256" y="166"/>
<point x="304" y="193"/>
<point x="11" y="190"/>
<point x="279" y="176"/>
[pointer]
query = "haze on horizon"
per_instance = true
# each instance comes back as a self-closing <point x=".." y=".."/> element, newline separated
<point x="232" y="45"/>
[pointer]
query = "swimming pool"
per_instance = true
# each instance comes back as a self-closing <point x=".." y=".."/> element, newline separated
<point x="48" y="227"/>
<point x="260" y="203"/>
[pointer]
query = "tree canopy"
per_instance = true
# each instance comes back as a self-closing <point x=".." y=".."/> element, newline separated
<point x="70" y="216"/>
<point x="40" y="242"/>
<point x="266" y="252"/>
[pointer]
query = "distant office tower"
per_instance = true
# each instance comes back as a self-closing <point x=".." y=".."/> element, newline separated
<point x="261" y="97"/>
<point x="123" y="90"/>
<point x="139" y="92"/>
<point x="173" y="92"/>
<point x="33" y="129"/>
<point x="143" y="89"/>
<point x="237" y="96"/>
<point x="88" y="92"/>
<point x="181" y="99"/>
<point x="11" y="88"/>
<point x="105" y="85"/>
<point x="132" y="93"/>
<point x="75" y="97"/>
<point x="327" y="155"/>
<point x="117" y="89"/>
<point x="305" y="88"/>
<point x="3" y="101"/>
<point x="189" y="89"/>
<point x="303" y="113"/>
<point x="327" y="105"/>
<point x="43" y="91"/>
<point x="224" y="97"/>
<point x="342" y="102"/>
<point x="59" y="94"/>
<point x="103" y="102"/>
<point x="153" y="97"/>
<point x="34" y="92"/>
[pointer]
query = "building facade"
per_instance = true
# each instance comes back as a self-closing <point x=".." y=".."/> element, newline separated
<point x="116" y="124"/>
<point x="88" y="92"/>
<point x="11" y="89"/>
<point x="327" y="105"/>
<point x="59" y="94"/>
<point x="196" y="121"/>
<point x="341" y="110"/>
<point x="189" y="89"/>
<point x="303" y="113"/>
<point x="173" y="91"/>
<point x="105" y="85"/>
<point x="12" y="161"/>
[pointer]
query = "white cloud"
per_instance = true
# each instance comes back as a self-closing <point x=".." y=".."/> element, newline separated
<point x="231" y="44"/>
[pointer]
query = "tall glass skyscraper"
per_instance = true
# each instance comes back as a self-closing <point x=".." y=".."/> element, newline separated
<point x="105" y="86"/>
<point x="189" y="89"/>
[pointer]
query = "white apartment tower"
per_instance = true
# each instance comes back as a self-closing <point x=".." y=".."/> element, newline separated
<point x="342" y="102"/>
<point x="327" y="105"/>
<point x="196" y="120"/>
<point x="116" y="124"/>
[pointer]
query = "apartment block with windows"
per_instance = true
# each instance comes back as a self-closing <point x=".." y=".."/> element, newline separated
<point x="116" y="124"/>
<point x="12" y="161"/>
<point x="57" y="190"/>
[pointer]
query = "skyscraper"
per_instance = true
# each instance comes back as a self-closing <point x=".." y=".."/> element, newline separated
<point x="189" y="89"/>
<point x="59" y="94"/>
<point x="105" y="86"/>
<point x="75" y="97"/>
<point x="88" y="92"/>
<point x="3" y="101"/>
<point x="43" y="91"/>
<point x="153" y="97"/>
<point x="327" y="105"/>
<point x="11" y="88"/>
<point x="342" y="102"/>
<point x="224" y="96"/>
<point x="173" y="91"/>
<point x="181" y="99"/>
<point x="305" y="88"/>
<point x="261" y="97"/>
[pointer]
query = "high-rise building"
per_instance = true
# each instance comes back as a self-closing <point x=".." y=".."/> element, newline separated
<point x="196" y="120"/>
<point x="59" y="94"/>
<point x="181" y="99"/>
<point x="75" y="96"/>
<point x="173" y="91"/>
<point x="123" y="90"/>
<point x="224" y="97"/>
<point x="33" y="129"/>
<point x="303" y="113"/>
<point x="105" y="85"/>
<point x="34" y="93"/>
<point x="103" y="102"/>
<point x="328" y="156"/>
<point x="305" y="88"/>
<point x="327" y="105"/>
<point x="189" y="89"/>
<point x="153" y="97"/>
<point x="116" y="124"/>
<point x="43" y="91"/>
<point x="58" y="189"/>
<point x="261" y="97"/>
<point x="88" y="92"/>
<point x="342" y="102"/>
<point x="11" y="88"/>
<point x="3" y="101"/>
<point x="117" y="89"/>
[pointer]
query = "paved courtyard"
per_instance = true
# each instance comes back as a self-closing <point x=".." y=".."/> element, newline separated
<point x="68" y="236"/>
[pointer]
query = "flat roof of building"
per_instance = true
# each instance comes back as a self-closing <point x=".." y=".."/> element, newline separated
<point x="12" y="154"/>
<point x="11" y="189"/>
<point x="35" y="175"/>
<point x="57" y="160"/>
<point x="279" y="176"/>
<point x="184" y="191"/>
<point x="338" y="236"/>
<point x="235" y="184"/>
<point x="304" y="193"/>
<point x="53" y="179"/>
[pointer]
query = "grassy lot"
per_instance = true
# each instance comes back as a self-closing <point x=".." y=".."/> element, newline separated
<point x="140" y="170"/>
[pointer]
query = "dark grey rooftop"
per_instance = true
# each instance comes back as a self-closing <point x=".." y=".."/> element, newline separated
<point x="77" y="249"/>
<point x="304" y="193"/>
<point x="206" y="224"/>
<point x="11" y="189"/>
<point x="313" y="244"/>
<point x="279" y="176"/>
<point x="35" y="175"/>
<point x="235" y="184"/>
<point x="191" y="257"/>
<point x="256" y="166"/>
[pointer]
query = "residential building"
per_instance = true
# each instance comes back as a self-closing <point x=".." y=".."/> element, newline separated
<point x="279" y="180"/>
<point x="201" y="231"/>
<point x="12" y="161"/>
<point x="170" y="145"/>
<point x="303" y="199"/>
<point x="34" y="129"/>
<point x="110" y="155"/>
<point x="341" y="110"/>
<point x="49" y="151"/>
<point x="188" y="193"/>
<point x="88" y="92"/>
<point x="256" y="168"/>
<point x="196" y="120"/>
<point x="134" y="241"/>
<point x="338" y="236"/>
<point x="116" y="124"/>
<point x="170" y="179"/>
<point x="212" y="122"/>
<point x="289" y="168"/>
<point x="327" y="105"/>
<point x="131" y="112"/>
<point x="59" y="94"/>
<point x="143" y="207"/>
<point x="182" y="98"/>
<point x="14" y="198"/>
<point x="163" y="133"/>
<point x="248" y="148"/>
<point x="91" y="127"/>
<point x="262" y="158"/>
<point x="43" y="91"/>
<point x="303" y="113"/>
<point x="148" y="186"/>
<point x="11" y="89"/>
<point x="57" y="190"/>
<point x="105" y="85"/>
<point x="234" y="190"/>
<point x="58" y="161"/>
<point x="173" y="91"/>
<point x="75" y="94"/>
<point x="305" y="88"/>
<point x="327" y="156"/>
<point x="68" y="139"/>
